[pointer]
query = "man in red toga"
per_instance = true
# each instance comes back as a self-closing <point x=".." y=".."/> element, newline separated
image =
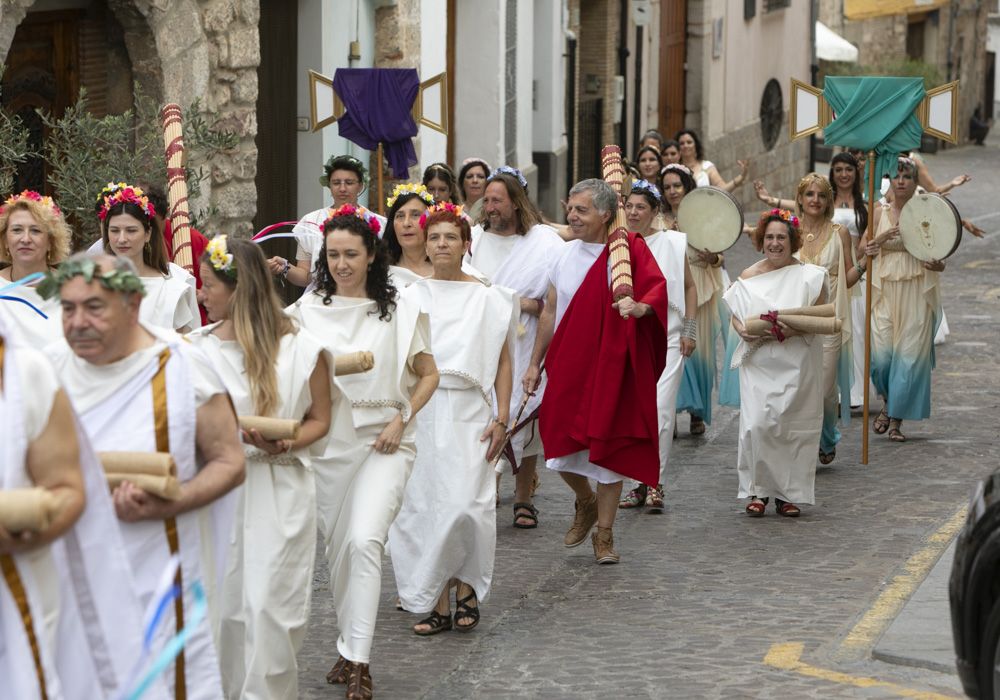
<point x="598" y="418"/>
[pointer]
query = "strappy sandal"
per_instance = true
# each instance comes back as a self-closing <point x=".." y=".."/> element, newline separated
<point x="634" y="498"/>
<point x="359" y="682"/>
<point x="789" y="510"/>
<point x="654" y="500"/>
<point x="697" y="426"/>
<point x="338" y="674"/>
<point x="881" y="422"/>
<point x="464" y="610"/>
<point x="827" y="457"/>
<point x="894" y="433"/>
<point x="525" y="511"/>
<point x="756" y="507"/>
<point x="436" y="623"/>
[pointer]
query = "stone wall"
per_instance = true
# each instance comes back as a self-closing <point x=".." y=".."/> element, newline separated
<point x="780" y="169"/>
<point x="186" y="49"/>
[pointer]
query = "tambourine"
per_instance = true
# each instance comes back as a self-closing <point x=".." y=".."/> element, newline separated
<point x="711" y="218"/>
<point x="930" y="226"/>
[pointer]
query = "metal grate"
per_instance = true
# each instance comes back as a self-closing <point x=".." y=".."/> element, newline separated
<point x="772" y="5"/>
<point x="510" y="85"/>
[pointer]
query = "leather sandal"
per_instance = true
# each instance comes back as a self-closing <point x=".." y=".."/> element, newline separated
<point x="338" y="674"/>
<point x="359" y="682"/>
<point x="436" y="623"/>
<point x="756" y="507"/>
<point x="894" y="433"/>
<point x="634" y="498"/>
<point x="827" y="457"/>
<point x="697" y="426"/>
<point x="789" y="510"/>
<point x="525" y="511"/>
<point x="881" y="422"/>
<point x="464" y="610"/>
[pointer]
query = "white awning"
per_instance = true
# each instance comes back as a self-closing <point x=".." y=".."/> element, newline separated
<point x="830" y="46"/>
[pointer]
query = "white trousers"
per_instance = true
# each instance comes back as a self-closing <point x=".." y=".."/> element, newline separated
<point x="359" y="495"/>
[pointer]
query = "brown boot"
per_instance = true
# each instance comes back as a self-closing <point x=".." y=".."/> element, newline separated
<point x="586" y="516"/>
<point x="604" y="546"/>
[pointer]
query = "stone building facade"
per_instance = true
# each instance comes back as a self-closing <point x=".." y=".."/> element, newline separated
<point x="950" y="35"/>
<point x="180" y="50"/>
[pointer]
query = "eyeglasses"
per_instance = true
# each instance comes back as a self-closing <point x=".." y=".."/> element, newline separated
<point x="343" y="183"/>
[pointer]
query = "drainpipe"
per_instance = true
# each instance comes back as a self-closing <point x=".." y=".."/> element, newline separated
<point x="637" y="117"/>
<point x="622" y="69"/>
<point x="813" y="73"/>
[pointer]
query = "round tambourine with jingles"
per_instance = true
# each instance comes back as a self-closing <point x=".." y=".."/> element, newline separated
<point x="711" y="218"/>
<point x="930" y="226"/>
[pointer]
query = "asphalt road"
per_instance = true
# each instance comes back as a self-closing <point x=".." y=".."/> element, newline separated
<point x="707" y="603"/>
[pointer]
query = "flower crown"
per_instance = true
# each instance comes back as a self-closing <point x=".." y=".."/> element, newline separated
<point x="30" y="196"/>
<point x="507" y="170"/>
<point x="351" y="210"/>
<point x="908" y="162"/>
<point x="676" y="166"/>
<point x="117" y="279"/>
<point x="783" y="214"/>
<point x="122" y="193"/>
<point x="643" y="186"/>
<point x="454" y="209"/>
<point x="410" y="188"/>
<point x="220" y="257"/>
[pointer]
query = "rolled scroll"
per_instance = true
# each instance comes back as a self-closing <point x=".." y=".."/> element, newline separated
<point x="818" y="325"/>
<point x="31" y="509"/>
<point x="613" y="173"/>
<point x="153" y="472"/>
<point x="353" y="363"/>
<point x="272" y="428"/>
<point x="177" y="192"/>
<point x="821" y="310"/>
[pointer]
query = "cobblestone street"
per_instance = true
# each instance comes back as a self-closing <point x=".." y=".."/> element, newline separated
<point x="703" y="593"/>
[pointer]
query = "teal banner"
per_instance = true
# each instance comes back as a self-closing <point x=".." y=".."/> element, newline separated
<point x="874" y="113"/>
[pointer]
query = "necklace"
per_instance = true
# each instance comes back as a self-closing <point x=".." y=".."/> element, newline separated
<point x="811" y="236"/>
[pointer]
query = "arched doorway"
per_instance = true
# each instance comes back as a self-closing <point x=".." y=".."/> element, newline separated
<point x="56" y="53"/>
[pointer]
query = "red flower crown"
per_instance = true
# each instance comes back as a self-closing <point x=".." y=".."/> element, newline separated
<point x="454" y="209"/>
<point x="783" y="214"/>
<point x="30" y="196"/>
<point x="352" y="210"/>
<point x="122" y="193"/>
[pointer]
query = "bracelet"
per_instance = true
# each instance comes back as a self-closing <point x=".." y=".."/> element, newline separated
<point x="690" y="330"/>
<point x="861" y="270"/>
<point x="497" y="420"/>
<point x="284" y="272"/>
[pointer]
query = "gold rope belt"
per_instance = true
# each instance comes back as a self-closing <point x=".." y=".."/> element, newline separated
<point x="161" y="421"/>
<point x="16" y="585"/>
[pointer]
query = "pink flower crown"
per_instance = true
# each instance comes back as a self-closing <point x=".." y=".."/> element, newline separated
<point x="453" y="209"/>
<point x="30" y="196"/>
<point x="121" y="193"/>
<point x="352" y="210"/>
<point x="783" y="214"/>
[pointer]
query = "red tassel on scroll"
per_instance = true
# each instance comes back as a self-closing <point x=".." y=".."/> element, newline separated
<point x="177" y="192"/>
<point x="613" y="173"/>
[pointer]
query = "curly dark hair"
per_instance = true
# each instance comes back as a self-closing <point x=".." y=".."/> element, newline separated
<point x="378" y="288"/>
<point x="389" y="240"/>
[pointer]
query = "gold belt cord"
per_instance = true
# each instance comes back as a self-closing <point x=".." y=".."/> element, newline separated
<point x="162" y="423"/>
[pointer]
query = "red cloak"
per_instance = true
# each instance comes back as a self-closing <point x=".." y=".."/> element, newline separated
<point x="602" y="373"/>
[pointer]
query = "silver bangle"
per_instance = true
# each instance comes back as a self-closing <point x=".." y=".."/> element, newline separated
<point x="690" y="330"/>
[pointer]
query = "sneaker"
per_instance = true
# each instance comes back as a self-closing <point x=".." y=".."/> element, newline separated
<point x="654" y="500"/>
<point x="634" y="498"/>
<point x="583" y="521"/>
<point x="604" y="546"/>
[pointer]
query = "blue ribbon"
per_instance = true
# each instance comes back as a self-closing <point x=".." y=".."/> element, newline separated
<point x="27" y="279"/>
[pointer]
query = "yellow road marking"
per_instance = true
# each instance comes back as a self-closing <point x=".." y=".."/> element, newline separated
<point x="975" y="264"/>
<point x="788" y="657"/>
<point x="883" y="611"/>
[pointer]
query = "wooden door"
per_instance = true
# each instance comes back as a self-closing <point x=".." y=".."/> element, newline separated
<point x="673" y="52"/>
<point x="42" y="72"/>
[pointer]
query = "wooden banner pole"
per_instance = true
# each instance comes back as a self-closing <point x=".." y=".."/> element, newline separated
<point x="868" y="306"/>
<point x="379" y="199"/>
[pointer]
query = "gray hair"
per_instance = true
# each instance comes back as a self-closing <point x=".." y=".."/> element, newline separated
<point x="604" y="198"/>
